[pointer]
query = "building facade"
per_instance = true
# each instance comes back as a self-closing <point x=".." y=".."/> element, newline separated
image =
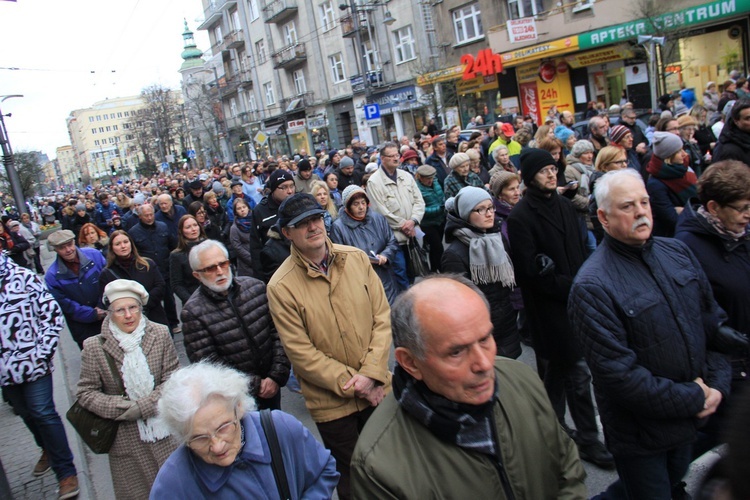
<point x="69" y="171"/>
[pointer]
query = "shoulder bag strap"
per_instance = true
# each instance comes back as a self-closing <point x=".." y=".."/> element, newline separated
<point x="277" y="461"/>
<point x="113" y="369"/>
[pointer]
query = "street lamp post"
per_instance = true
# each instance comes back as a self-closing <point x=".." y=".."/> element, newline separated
<point x="15" y="180"/>
<point x="649" y="43"/>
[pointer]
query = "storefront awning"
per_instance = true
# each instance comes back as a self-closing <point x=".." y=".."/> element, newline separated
<point x="543" y="50"/>
<point x="599" y="56"/>
<point x="443" y="75"/>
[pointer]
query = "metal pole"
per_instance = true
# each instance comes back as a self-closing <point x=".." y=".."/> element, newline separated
<point x="15" y="180"/>
<point x="654" y="77"/>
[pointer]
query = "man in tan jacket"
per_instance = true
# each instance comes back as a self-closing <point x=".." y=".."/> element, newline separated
<point x="333" y="319"/>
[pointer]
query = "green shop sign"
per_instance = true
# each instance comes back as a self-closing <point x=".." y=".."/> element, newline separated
<point x="674" y="20"/>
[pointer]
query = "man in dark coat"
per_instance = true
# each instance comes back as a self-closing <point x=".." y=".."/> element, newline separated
<point x="439" y="159"/>
<point x="548" y="245"/>
<point x="647" y="321"/>
<point x="154" y="240"/>
<point x="265" y="213"/>
<point x="169" y="213"/>
<point x="734" y="141"/>
<point x="227" y="320"/>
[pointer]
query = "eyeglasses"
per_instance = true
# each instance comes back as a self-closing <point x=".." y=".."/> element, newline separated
<point x="305" y="223"/>
<point x="215" y="268"/>
<point x="672" y="129"/>
<point x="224" y="433"/>
<point x="618" y="162"/>
<point x="548" y="171"/>
<point x="122" y="311"/>
<point x="742" y="210"/>
<point x="485" y="211"/>
<point x="288" y="187"/>
<point x="200" y="211"/>
<point x="391" y="156"/>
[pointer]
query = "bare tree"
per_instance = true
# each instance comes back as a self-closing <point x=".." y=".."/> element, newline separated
<point x="201" y="116"/>
<point x="30" y="171"/>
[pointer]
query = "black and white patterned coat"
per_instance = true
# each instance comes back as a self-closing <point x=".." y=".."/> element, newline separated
<point x="30" y="324"/>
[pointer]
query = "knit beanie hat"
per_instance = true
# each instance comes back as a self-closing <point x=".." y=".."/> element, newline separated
<point x="532" y="161"/>
<point x="618" y="132"/>
<point x="304" y="165"/>
<point x="80" y="207"/>
<point x="563" y="133"/>
<point x="346" y="162"/>
<point x="666" y="144"/>
<point x="139" y="199"/>
<point x="501" y="179"/>
<point x="581" y="147"/>
<point x="457" y="160"/>
<point x="466" y="200"/>
<point x="349" y="192"/>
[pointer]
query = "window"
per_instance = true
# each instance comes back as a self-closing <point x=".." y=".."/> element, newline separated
<point x="126" y="126"/>
<point x="327" y="19"/>
<point x="518" y="9"/>
<point x="114" y="127"/>
<point x="583" y="5"/>
<point x="467" y="23"/>
<point x="252" y="8"/>
<point x="370" y="56"/>
<point x="299" y="82"/>
<point x="251" y="102"/>
<point x="119" y="114"/>
<point x="268" y="90"/>
<point x="233" y="107"/>
<point x="127" y="113"/>
<point x="109" y="129"/>
<point x="111" y="140"/>
<point x="101" y="130"/>
<point x="403" y="40"/>
<point x="260" y="49"/>
<point x="337" y="68"/>
<point x="128" y="137"/>
<point x="91" y="118"/>
<point x="218" y="36"/>
<point x="96" y="142"/>
<point x="98" y="118"/>
<point x="236" y="25"/>
<point x="290" y="33"/>
<point x="93" y="131"/>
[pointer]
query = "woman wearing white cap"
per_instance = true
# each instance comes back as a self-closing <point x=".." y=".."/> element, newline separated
<point x="145" y="357"/>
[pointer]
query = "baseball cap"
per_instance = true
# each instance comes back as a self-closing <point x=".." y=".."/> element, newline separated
<point x="508" y="130"/>
<point x="297" y="208"/>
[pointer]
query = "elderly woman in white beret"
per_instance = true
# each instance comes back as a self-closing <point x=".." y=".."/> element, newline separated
<point x="144" y="357"/>
<point x="225" y="452"/>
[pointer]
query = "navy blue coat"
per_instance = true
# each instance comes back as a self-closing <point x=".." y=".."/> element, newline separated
<point x="171" y="220"/>
<point x="155" y="242"/>
<point x="643" y="316"/>
<point x="726" y="263"/>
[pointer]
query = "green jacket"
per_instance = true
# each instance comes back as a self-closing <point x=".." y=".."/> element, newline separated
<point x="434" y="204"/>
<point x="397" y="457"/>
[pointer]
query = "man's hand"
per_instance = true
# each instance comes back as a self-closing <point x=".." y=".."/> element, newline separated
<point x="641" y="148"/>
<point x="376" y="395"/>
<point x="712" y="403"/>
<point x="362" y="385"/>
<point x="268" y="388"/>
<point x="407" y="227"/>
<point x="100" y="313"/>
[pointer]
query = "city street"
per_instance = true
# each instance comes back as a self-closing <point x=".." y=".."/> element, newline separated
<point x="19" y="453"/>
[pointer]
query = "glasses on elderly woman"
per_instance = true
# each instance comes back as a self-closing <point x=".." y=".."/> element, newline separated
<point x="741" y="210"/>
<point x="224" y="432"/>
<point x="122" y="311"/>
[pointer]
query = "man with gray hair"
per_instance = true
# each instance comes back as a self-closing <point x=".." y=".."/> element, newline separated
<point x="649" y="326"/>
<point x="485" y="422"/>
<point x="227" y="319"/>
<point x="598" y="130"/>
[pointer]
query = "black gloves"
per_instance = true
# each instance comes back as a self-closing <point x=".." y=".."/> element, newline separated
<point x="545" y="266"/>
<point x="727" y="340"/>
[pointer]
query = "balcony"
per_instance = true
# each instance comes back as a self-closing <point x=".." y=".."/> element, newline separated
<point x="234" y="40"/>
<point x="212" y="14"/>
<point x="375" y="79"/>
<point x="236" y="122"/>
<point x="246" y="79"/>
<point x="277" y="11"/>
<point x="300" y="101"/>
<point x="231" y="82"/>
<point x="347" y="26"/>
<point x="290" y="56"/>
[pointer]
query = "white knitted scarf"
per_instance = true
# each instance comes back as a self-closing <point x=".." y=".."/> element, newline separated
<point x="137" y="378"/>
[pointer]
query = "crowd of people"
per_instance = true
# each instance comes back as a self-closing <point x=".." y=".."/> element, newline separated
<point x="619" y="253"/>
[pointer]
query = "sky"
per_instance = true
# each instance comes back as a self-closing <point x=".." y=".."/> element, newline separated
<point x="73" y="53"/>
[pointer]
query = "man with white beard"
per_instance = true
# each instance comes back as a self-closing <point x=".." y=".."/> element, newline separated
<point x="227" y="319"/>
<point x="650" y="330"/>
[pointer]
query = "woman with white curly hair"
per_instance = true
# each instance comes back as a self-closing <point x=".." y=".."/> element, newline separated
<point x="224" y="452"/>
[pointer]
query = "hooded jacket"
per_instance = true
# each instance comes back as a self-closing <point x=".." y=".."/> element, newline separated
<point x="733" y="144"/>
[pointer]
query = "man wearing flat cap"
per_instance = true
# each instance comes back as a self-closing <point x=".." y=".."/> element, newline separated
<point x="332" y="315"/>
<point x="548" y="243"/>
<point x="73" y="280"/>
<point x="280" y="186"/>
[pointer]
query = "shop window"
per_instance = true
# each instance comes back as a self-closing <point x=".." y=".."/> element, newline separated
<point x="467" y="23"/>
<point x="403" y="40"/>
<point x="518" y="9"/>
<point x="327" y="19"/>
<point x="337" y="68"/>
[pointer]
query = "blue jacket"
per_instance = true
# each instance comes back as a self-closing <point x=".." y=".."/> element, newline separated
<point x="310" y="468"/>
<point x="643" y="316"/>
<point x="171" y="220"/>
<point x="155" y="242"/>
<point x="102" y="215"/>
<point x="230" y="206"/>
<point x="78" y="295"/>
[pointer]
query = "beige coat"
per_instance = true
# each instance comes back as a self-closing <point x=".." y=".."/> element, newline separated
<point x="133" y="463"/>
<point x="332" y="327"/>
<point x="396" y="201"/>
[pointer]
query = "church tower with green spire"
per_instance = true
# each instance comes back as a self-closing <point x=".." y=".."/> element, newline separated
<point x="192" y="57"/>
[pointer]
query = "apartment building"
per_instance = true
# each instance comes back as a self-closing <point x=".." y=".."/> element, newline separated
<point x="69" y="171"/>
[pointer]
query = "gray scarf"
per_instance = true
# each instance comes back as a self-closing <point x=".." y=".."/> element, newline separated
<point x="488" y="260"/>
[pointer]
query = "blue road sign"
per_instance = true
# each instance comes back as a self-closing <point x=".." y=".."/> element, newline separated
<point x="165" y="166"/>
<point x="191" y="153"/>
<point x="372" y="111"/>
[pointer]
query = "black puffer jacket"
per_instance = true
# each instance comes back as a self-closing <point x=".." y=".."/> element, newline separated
<point x="265" y="215"/>
<point x="643" y="316"/>
<point x="274" y="253"/>
<point x="235" y="329"/>
<point x="456" y="260"/>
<point x="733" y="144"/>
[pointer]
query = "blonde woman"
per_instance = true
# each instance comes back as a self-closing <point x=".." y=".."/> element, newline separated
<point x="322" y="194"/>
